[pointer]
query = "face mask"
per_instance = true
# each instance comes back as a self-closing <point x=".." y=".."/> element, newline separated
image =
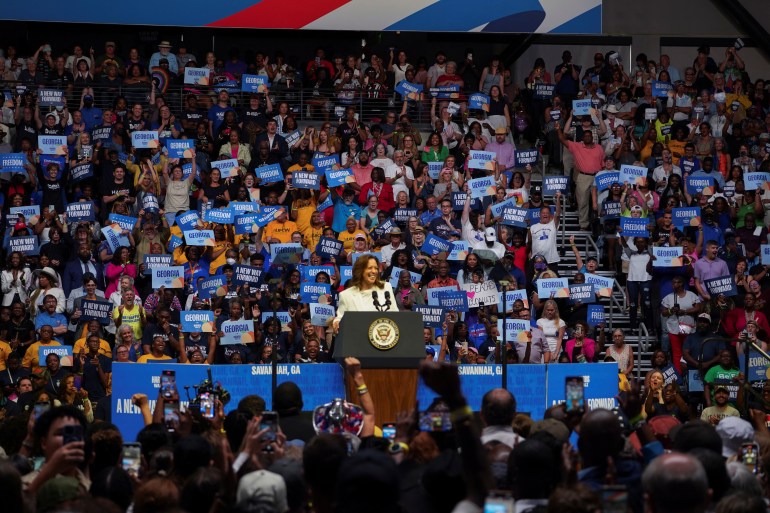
<point x="231" y="261"/>
<point x="540" y="266"/>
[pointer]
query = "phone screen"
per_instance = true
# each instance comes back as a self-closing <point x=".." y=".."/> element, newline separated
<point x="77" y="382"/>
<point x="750" y="457"/>
<point x="438" y="421"/>
<point x="269" y="421"/>
<point x="131" y="458"/>
<point x="171" y="414"/>
<point x="389" y="431"/>
<point x="41" y="408"/>
<point x="574" y="393"/>
<point x="497" y="504"/>
<point x="207" y="406"/>
<point x="168" y="384"/>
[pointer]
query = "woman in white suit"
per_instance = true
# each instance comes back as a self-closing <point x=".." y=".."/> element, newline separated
<point x="359" y="297"/>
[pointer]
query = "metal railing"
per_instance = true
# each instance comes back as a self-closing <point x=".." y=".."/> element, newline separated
<point x="642" y="346"/>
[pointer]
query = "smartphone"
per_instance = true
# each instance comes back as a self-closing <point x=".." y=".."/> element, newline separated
<point x="435" y="421"/>
<point x="614" y="499"/>
<point x="131" y="457"/>
<point x="168" y="384"/>
<point x="171" y="414"/>
<point x="389" y="430"/>
<point x="51" y="208"/>
<point x="270" y="421"/>
<point x="41" y="408"/>
<point x="207" y="406"/>
<point x="72" y="433"/>
<point x="77" y="381"/>
<point x="749" y="455"/>
<point x="498" y="503"/>
<point x="574" y="393"/>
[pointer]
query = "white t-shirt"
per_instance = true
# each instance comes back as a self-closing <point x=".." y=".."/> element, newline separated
<point x="544" y="241"/>
<point x="681" y="324"/>
<point x="399" y="185"/>
<point x="551" y="332"/>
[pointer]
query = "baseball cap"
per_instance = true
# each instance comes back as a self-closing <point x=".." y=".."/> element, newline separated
<point x="109" y="43"/>
<point x="88" y="97"/>
<point x="265" y="487"/>
<point x="360" y="236"/>
<point x="56" y="491"/>
<point x="490" y="235"/>
<point x="704" y="316"/>
<point x="536" y="189"/>
<point x="609" y="157"/>
<point x="734" y="431"/>
<point x="501" y="130"/>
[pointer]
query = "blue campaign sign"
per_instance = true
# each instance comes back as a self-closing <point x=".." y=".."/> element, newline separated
<point x="216" y="286"/>
<point x="329" y="247"/>
<point x="199" y="237"/>
<point x="479" y="101"/>
<point x="12" y="162"/>
<point x="722" y="285"/>
<point x="306" y="180"/>
<point x="685" y="216"/>
<point x="283" y="317"/>
<point x="115" y="238"/>
<point x="409" y="90"/>
<point x="100" y="310"/>
<point x="144" y="139"/>
<point x="497" y="209"/>
<point x="459" y="251"/>
<point x="402" y="215"/>
<point x="533" y="214"/>
<point x="512" y="296"/>
<point x="667" y="257"/>
<point x="46" y="160"/>
<point x="254" y="83"/>
<point x="169" y="277"/>
<point x="554" y="184"/>
<point x="309" y="292"/>
<point x="700" y="184"/>
<point x="228" y="168"/>
<point x="246" y="223"/>
<point x="544" y="91"/>
<point x="323" y="163"/>
<point x="188" y="220"/>
<point x="434" y="245"/>
<point x="661" y="89"/>
<point x="152" y="261"/>
<point x="180" y="148"/>
<point x="293" y="138"/>
<point x="290" y="253"/>
<point x="197" y="76"/>
<point x="309" y="272"/>
<point x="432" y="316"/>
<point x="481" y="187"/>
<point x="224" y="215"/>
<point x="595" y="315"/>
<point x="27" y="215"/>
<point x="754" y="181"/>
<point x="64" y="353"/>
<point x="552" y="288"/>
<point x="382" y="229"/>
<point x="26" y="245"/>
<point x="455" y="300"/>
<point x="482" y="160"/>
<point x="524" y="157"/>
<point x="243" y="274"/>
<point x="611" y="210"/>
<point x="81" y="172"/>
<point x="102" y="133"/>
<point x="581" y="107"/>
<point x="327" y="203"/>
<point x="633" y="175"/>
<point x="125" y="222"/>
<point x="599" y="379"/>
<point x="765" y="248"/>
<point x="634" y="227"/>
<point x="244" y="207"/>
<point x="336" y="177"/>
<point x="81" y="211"/>
<point x="602" y="284"/>
<point x="150" y="203"/>
<point x="320" y="314"/>
<point x="525" y="382"/>
<point x="475" y="381"/>
<point x="396" y="273"/>
<point x="582" y="292"/>
<point x="194" y="321"/>
<point x="434" y="169"/>
<point x="269" y="174"/>
<point x="605" y="179"/>
<point x="447" y="92"/>
<point x="758" y="366"/>
<point x="52" y="144"/>
<point x="433" y="294"/>
<point x="50" y="97"/>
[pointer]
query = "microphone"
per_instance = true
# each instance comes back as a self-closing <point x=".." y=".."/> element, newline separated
<point x="376" y="301"/>
<point x="387" y="300"/>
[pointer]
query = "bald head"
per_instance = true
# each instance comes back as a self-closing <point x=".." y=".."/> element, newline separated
<point x="676" y="483"/>
<point x="498" y="407"/>
<point x="600" y="437"/>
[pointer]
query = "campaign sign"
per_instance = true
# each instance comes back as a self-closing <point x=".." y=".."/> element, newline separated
<point x="63" y="352"/>
<point x="402" y="215"/>
<point x="382" y="230"/>
<point x="433" y="294"/>
<point x="216" y="286"/>
<point x="605" y="179"/>
<point x="634" y="227"/>
<point x="286" y="253"/>
<point x="600" y="381"/>
<point x="611" y="210"/>
<point x="150" y="203"/>
<point x="482" y="160"/>
<point x="685" y="216"/>
<point x="323" y="163"/>
<point x="102" y="133"/>
<point x="479" y="101"/>
<point x="26" y="245"/>
<point x="758" y="366"/>
<point x="458" y="200"/>
<point x="754" y="181"/>
<point x="267" y="214"/>
<point x="81" y="211"/>
<point x="194" y="321"/>
<point x="246" y="223"/>
<point x="52" y="144"/>
<point x="115" y="238"/>
<point x="555" y="115"/>
<point x="228" y="168"/>
<point x="224" y="215"/>
<point x="144" y="139"/>
<point x="328" y="247"/>
<point x="667" y="257"/>
<point x="446" y="92"/>
<point x="700" y="184"/>
<point x="47" y="160"/>
<point x="497" y="208"/>
<point x="455" y="301"/>
<point x="602" y="285"/>
<point x="434" y="245"/>
<point x="305" y="180"/>
<point x="292" y="138"/>
<point x="28" y="215"/>
<point x="434" y="169"/>
<point x="197" y="76"/>
<point x="81" y="172"/>
<point x="243" y="274"/>
<point x="651" y="114"/>
<point x="554" y="184"/>
<point x="327" y="203"/>
<point x="581" y="107"/>
<point x="199" y="237"/>
<point x="309" y="292"/>
<point x="180" y="148"/>
<point x="660" y="89"/>
<point x="309" y="272"/>
<point x="459" y="250"/>
<point x="12" y="163"/>
<point x="244" y="207"/>
<point x="481" y="293"/>
<point x="283" y="317"/>
<point x="237" y="332"/>
<point x="125" y="222"/>
<point x="544" y="91"/>
<point x="552" y="288"/>
<point x="395" y="274"/>
<point x="515" y="330"/>
<point x="50" y="98"/>
<point x="409" y="90"/>
<point x="633" y="175"/>
<point x="524" y="157"/>
<point x="480" y="187"/>
<point x="269" y="174"/>
<point x="152" y="261"/>
<point x="511" y="296"/>
<point x="169" y="277"/>
<point x="583" y="292"/>
<point x="254" y="83"/>
<point x="765" y="254"/>
<point x="95" y="309"/>
<point x="533" y="214"/>
<point x="336" y="177"/>
<point x="723" y="285"/>
<point x="320" y="314"/>
<point x="188" y="220"/>
<point x="432" y="316"/>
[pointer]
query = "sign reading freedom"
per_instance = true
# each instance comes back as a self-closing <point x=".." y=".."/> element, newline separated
<point x="576" y="16"/>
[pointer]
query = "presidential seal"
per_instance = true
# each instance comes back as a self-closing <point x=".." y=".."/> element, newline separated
<point x="383" y="334"/>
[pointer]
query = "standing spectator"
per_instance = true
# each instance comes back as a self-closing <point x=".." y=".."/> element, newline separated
<point x="679" y="309"/>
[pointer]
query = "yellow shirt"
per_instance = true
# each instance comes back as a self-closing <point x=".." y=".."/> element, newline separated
<point x="5" y="352"/>
<point x="676" y="147"/>
<point x="145" y="357"/>
<point x="104" y="347"/>
<point x="31" y="359"/>
<point x="222" y="258"/>
<point x="311" y="236"/>
<point x="131" y="318"/>
<point x="280" y="231"/>
<point x="304" y="209"/>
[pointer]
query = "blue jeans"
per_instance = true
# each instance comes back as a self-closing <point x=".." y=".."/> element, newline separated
<point x="637" y="289"/>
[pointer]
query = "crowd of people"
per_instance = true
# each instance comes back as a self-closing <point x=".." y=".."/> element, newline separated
<point x="253" y="186"/>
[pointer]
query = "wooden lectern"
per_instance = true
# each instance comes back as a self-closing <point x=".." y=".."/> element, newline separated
<point x="390" y="347"/>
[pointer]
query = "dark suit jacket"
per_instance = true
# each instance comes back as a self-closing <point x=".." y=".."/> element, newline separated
<point x="72" y="277"/>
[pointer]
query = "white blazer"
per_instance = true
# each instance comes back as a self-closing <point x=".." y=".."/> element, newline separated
<point x="355" y="300"/>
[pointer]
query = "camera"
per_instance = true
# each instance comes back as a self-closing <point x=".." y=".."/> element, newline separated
<point x="205" y="395"/>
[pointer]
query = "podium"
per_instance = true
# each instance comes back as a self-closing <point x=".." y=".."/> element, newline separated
<point x="389" y="346"/>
